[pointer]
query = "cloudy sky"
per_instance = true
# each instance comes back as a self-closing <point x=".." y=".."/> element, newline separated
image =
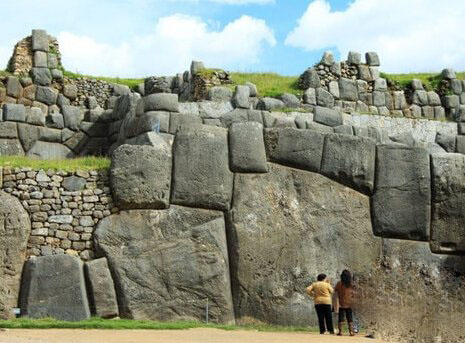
<point x="137" y="38"/>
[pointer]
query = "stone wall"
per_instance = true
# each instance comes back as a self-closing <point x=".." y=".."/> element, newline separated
<point x="64" y="208"/>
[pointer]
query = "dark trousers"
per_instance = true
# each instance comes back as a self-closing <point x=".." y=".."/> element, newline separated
<point x="325" y="318"/>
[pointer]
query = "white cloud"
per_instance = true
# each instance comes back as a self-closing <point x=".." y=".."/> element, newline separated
<point x="413" y="35"/>
<point x="175" y="41"/>
<point x="231" y="2"/>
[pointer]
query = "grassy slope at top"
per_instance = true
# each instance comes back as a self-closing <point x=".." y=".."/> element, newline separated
<point x="124" y="324"/>
<point x="70" y="165"/>
<point x="268" y="84"/>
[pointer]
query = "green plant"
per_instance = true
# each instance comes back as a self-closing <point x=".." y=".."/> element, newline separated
<point x="72" y="164"/>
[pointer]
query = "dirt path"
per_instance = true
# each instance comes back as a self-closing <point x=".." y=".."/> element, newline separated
<point x="168" y="336"/>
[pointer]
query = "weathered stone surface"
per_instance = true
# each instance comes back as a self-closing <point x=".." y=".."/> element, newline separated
<point x="282" y="233"/>
<point x="460" y="147"/>
<point x="247" y="148"/>
<point x="269" y="104"/>
<point x="372" y="59"/>
<point x="350" y="160"/>
<point x="46" y="95"/>
<point x="54" y="286"/>
<point x="14" y="112"/>
<point x="55" y="120"/>
<point x="309" y="79"/>
<point x="178" y="119"/>
<point x="348" y="89"/>
<point x="40" y="40"/>
<point x="41" y="76"/>
<point x="324" y="98"/>
<point x="290" y="100"/>
<point x="448" y="203"/>
<point x="8" y="130"/>
<point x="35" y="117"/>
<point x="201" y="168"/>
<point x="354" y="57"/>
<point x="253" y="92"/>
<point x="14" y="233"/>
<point x="49" y="151"/>
<point x="297" y="148"/>
<point x="219" y="93"/>
<point x="73" y="183"/>
<point x="448" y="74"/>
<point x="327" y="58"/>
<point x="401" y="204"/>
<point x="70" y="91"/>
<point x="181" y="257"/>
<point x="327" y="116"/>
<point x="447" y="141"/>
<point x="72" y="116"/>
<point x="241" y="97"/>
<point x="161" y="102"/>
<point x="420" y="97"/>
<point x="140" y="176"/>
<point x="77" y="142"/>
<point x="13" y="87"/>
<point x="11" y="147"/>
<point x="156" y="121"/>
<point x="101" y="289"/>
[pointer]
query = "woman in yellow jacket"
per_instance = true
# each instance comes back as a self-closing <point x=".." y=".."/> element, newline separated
<point x="321" y="292"/>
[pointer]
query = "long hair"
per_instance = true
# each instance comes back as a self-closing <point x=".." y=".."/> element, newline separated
<point x="346" y="278"/>
<point x="321" y="277"/>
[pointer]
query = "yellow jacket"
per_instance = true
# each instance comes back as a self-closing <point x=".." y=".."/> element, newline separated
<point x="321" y="292"/>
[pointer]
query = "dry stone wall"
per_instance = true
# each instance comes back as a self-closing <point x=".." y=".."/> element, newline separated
<point x="64" y="208"/>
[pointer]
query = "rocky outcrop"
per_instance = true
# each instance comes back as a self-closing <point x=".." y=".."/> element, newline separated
<point x="284" y="228"/>
<point x="14" y="233"/>
<point x="167" y="263"/>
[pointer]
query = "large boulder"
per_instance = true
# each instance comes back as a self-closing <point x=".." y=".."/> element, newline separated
<point x="350" y="160"/>
<point x="10" y="147"/>
<point x="401" y="204"/>
<point x="327" y="116"/>
<point x="14" y="234"/>
<point x="247" y="148"/>
<point x="140" y="176"/>
<point x="161" y="102"/>
<point x="72" y="116"/>
<point x="179" y="119"/>
<point x="297" y="148"/>
<point x="286" y="227"/>
<point x="448" y="202"/>
<point x="54" y="286"/>
<point x="167" y="263"/>
<point x="241" y="97"/>
<point x="101" y="289"/>
<point x="201" y="168"/>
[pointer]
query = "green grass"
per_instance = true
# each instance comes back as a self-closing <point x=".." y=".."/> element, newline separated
<point x="131" y="83"/>
<point x="127" y="324"/>
<point x="73" y="164"/>
<point x="268" y="84"/>
<point x="430" y="80"/>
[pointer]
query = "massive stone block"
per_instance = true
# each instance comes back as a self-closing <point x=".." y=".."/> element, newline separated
<point x="285" y="227"/>
<point x="15" y="228"/>
<point x="178" y="119"/>
<point x="140" y="176"/>
<point x="40" y="40"/>
<point x="296" y="148"/>
<point x="401" y="204"/>
<point x="448" y="202"/>
<point x="50" y="151"/>
<point x="350" y="160"/>
<point x="101" y="289"/>
<point x="201" y="168"/>
<point x="54" y="286"/>
<point x="167" y="263"/>
<point x="11" y="147"/>
<point x="161" y="102"/>
<point x="247" y="148"/>
<point x="72" y="116"/>
<point x="327" y="116"/>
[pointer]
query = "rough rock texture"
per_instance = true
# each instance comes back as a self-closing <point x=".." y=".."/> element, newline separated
<point x="54" y="286"/>
<point x="49" y="151"/>
<point x="168" y="263"/>
<point x="301" y="149"/>
<point x="448" y="201"/>
<point x="350" y="160"/>
<point x="201" y="168"/>
<point x="285" y="228"/>
<point x="401" y="204"/>
<point x="15" y="228"/>
<point x="140" y="176"/>
<point x="101" y="289"/>
<point x="247" y="148"/>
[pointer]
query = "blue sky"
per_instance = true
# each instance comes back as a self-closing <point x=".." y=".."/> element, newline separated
<point x="135" y="38"/>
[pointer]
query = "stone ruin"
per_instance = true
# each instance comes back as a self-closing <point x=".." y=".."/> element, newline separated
<point x="226" y="200"/>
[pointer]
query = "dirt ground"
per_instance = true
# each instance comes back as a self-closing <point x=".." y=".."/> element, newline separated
<point x="168" y="336"/>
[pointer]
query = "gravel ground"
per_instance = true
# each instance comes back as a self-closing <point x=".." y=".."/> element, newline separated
<point x="168" y="336"/>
